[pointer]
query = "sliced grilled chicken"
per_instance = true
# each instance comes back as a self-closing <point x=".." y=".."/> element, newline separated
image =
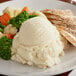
<point x="65" y="23"/>
<point x="70" y="37"/>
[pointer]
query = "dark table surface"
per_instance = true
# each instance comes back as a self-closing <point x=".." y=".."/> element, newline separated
<point x="69" y="1"/>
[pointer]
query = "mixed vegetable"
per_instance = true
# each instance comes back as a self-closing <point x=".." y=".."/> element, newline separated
<point x="6" y="22"/>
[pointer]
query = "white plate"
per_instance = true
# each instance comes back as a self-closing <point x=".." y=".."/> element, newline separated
<point x="68" y="61"/>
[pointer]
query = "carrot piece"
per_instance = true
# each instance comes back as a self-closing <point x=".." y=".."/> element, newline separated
<point x="9" y="36"/>
<point x="25" y="9"/>
<point x="0" y="19"/>
<point x="4" y="19"/>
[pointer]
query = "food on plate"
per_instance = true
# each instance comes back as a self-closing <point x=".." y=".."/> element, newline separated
<point x="65" y="22"/>
<point x="38" y="37"/>
<point x="37" y="43"/>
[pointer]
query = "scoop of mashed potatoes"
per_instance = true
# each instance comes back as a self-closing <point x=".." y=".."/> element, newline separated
<point x="37" y="43"/>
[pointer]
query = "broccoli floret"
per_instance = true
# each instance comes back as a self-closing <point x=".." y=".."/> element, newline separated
<point x="18" y="20"/>
<point x="1" y="30"/>
<point x="5" y="50"/>
<point x="2" y="27"/>
<point x="31" y="16"/>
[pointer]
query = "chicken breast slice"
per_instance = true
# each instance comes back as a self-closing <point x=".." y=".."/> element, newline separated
<point x="70" y="37"/>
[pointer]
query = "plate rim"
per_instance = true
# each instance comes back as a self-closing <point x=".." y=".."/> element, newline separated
<point x="59" y="1"/>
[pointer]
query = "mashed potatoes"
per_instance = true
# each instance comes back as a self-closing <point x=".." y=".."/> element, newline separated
<point x="37" y="43"/>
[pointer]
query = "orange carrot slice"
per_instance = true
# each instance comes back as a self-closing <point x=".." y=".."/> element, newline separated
<point x="4" y="19"/>
<point x="25" y="9"/>
<point x="9" y="36"/>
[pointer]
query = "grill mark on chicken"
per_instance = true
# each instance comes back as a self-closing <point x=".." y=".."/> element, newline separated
<point x="66" y="22"/>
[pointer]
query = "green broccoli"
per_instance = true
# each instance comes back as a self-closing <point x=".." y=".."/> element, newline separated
<point x="2" y="27"/>
<point x="18" y="20"/>
<point x="5" y="50"/>
<point x="1" y="30"/>
<point x="31" y="16"/>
